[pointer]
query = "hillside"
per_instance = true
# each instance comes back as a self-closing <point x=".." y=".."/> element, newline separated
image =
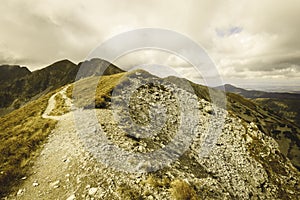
<point x="285" y="105"/>
<point x="12" y="72"/>
<point x="20" y="85"/>
<point x="22" y="132"/>
<point x="245" y="163"/>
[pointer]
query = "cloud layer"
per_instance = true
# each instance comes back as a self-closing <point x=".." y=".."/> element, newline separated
<point x="250" y="41"/>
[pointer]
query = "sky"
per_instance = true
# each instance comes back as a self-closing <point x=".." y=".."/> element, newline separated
<point x="252" y="43"/>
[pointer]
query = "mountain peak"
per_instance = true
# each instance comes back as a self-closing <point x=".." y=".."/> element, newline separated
<point x="97" y="66"/>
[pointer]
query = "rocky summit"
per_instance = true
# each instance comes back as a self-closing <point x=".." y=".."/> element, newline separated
<point x="144" y="137"/>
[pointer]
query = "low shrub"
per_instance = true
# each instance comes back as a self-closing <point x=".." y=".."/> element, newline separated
<point x="181" y="190"/>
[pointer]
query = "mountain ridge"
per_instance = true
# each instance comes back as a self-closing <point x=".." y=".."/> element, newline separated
<point x="251" y="123"/>
<point x="245" y="163"/>
<point x="283" y="104"/>
<point x="258" y="93"/>
<point x="65" y="72"/>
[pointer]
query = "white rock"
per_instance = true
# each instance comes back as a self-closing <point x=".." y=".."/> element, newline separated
<point x="150" y="197"/>
<point x="55" y="184"/>
<point x="208" y="109"/>
<point x="253" y="125"/>
<point x="72" y="197"/>
<point x="88" y="186"/>
<point x="66" y="160"/>
<point x="248" y="139"/>
<point x="35" y="184"/>
<point x="92" y="191"/>
<point x="141" y="148"/>
<point x="20" y="192"/>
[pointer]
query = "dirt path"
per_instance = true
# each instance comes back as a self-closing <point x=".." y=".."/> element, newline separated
<point x="58" y="171"/>
<point x="52" y="103"/>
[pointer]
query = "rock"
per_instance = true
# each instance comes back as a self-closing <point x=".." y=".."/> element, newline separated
<point x="138" y="180"/>
<point x="66" y="160"/>
<point x="253" y="125"/>
<point x="141" y="148"/>
<point x="55" y="184"/>
<point x="92" y="191"/>
<point x="248" y="139"/>
<point x="72" y="197"/>
<point x="35" y="184"/>
<point x="20" y="192"/>
<point x="208" y="109"/>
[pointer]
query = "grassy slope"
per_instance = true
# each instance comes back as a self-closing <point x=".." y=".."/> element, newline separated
<point x="82" y="92"/>
<point x="21" y="134"/>
<point x="287" y="108"/>
<point x="60" y="106"/>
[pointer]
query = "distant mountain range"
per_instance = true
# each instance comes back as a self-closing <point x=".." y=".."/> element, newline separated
<point x="284" y="104"/>
<point x="260" y="94"/>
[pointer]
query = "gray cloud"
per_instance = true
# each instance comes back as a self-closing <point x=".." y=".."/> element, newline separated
<point x="249" y="41"/>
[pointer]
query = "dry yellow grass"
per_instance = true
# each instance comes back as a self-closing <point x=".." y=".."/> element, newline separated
<point x="21" y="134"/>
<point x="84" y="96"/>
<point x="158" y="182"/>
<point x="69" y="91"/>
<point x="60" y="106"/>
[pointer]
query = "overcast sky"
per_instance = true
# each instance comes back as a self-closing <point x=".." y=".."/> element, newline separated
<point x="251" y="42"/>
